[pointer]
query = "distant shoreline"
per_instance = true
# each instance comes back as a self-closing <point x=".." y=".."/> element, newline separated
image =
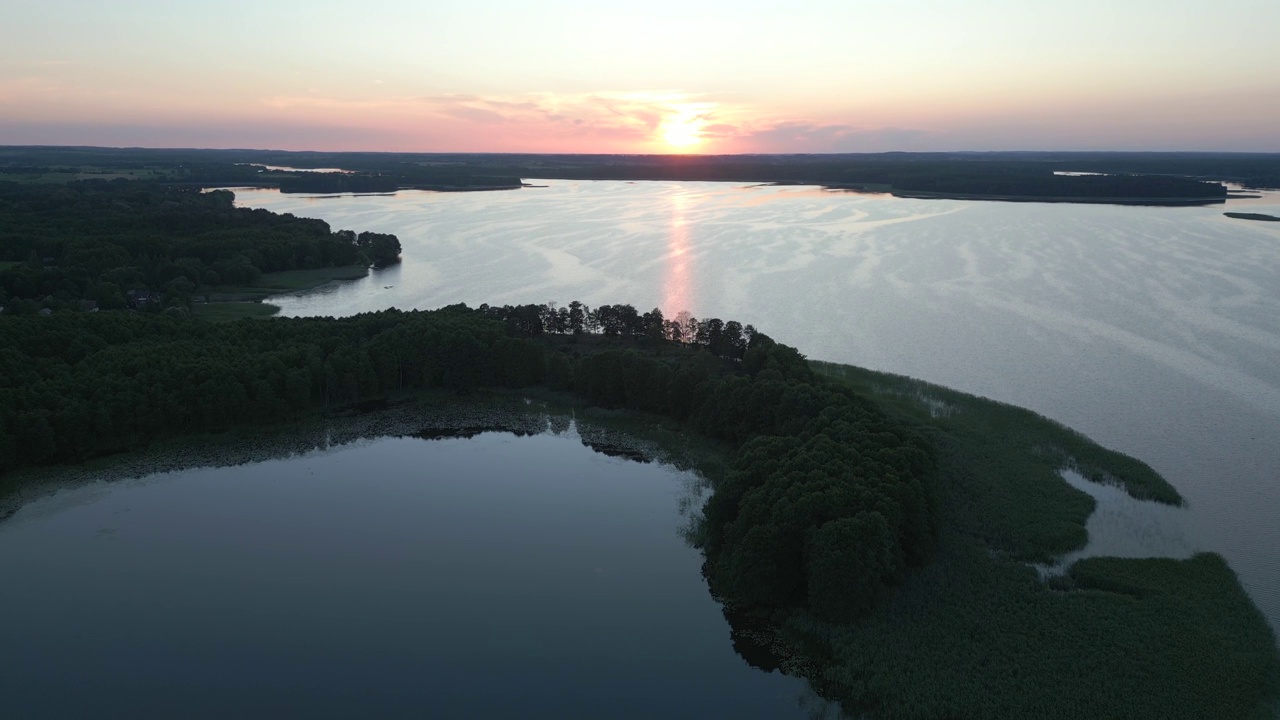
<point x="1161" y="201"/>
<point x="855" y="188"/>
<point x="236" y="303"/>
<point x="1259" y="217"/>
<point x="1157" y="179"/>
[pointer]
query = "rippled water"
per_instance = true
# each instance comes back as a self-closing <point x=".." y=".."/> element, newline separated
<point x="497" y="576"/>
<point x="1153" y="330"/>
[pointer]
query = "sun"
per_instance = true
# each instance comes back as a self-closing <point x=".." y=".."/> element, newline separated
<point x="681" y="134"/>
<point x="682" y="130"/>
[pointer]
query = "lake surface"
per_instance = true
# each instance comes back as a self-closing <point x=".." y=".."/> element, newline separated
<point x="1153" y="330"/>
<point x="496" y="576"/>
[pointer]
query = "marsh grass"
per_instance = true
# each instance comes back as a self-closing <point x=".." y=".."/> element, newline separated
<point x="978" y="634"/>
<point x="233" y="302"/>
<point x="228" y="311"/>
<point x="287" y="281"/>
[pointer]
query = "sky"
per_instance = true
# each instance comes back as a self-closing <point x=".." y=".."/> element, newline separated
<point x="641" y="77"/>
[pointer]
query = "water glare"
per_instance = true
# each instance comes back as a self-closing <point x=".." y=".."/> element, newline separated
<point x="678" y="288"/>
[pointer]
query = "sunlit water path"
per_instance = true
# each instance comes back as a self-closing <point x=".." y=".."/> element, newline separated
<point x="1153" y="330"/>
<point x="497" y="576"/>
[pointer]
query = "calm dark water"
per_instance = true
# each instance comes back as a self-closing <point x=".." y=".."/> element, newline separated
<point x="1153" y="330"/>
<point x="497" y="576"/>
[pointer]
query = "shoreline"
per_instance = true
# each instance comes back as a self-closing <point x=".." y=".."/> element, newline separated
<point x="240" y="302"/>
<point x="860" y="188"/>
<point x="1085" y="200"/>
<point x="1256" y="217"/>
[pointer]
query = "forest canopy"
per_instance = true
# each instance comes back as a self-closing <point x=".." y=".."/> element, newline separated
<point x="1175" y="178"/>
<point x="119" y="243"/>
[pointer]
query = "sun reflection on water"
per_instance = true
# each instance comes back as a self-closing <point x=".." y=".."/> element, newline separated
<point x="677" y="288"/>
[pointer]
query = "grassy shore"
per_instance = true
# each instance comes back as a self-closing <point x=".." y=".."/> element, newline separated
<point x="978" y="633"/>
<point x="295" y="280"/>
<point x="231" y="302"/>
<point x="228" y="311"/>
<point x="1016" y="455"/>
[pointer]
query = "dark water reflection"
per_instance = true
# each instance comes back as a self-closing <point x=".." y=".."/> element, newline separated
<point x="484" y="575"/>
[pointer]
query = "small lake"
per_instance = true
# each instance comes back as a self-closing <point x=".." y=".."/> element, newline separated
<point x="1153" y="330"/>
<point x="492" y="576"/>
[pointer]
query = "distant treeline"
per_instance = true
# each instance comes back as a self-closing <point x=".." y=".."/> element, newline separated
<point x="111" y="243"/>
<point x="367" y="172"/>
<point x="338" y="183"/>
<point x="908" y="174"/>
<point x="405" y="175"/>
<point x="1020" y="175"/>
<point x="1259" y="217"/>
<point x="1253" y="170"/>
<point x="960" y="180"/>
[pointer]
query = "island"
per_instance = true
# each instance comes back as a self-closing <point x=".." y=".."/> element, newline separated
<point x="1260" y="217"/>
<point x="109" y="245"/>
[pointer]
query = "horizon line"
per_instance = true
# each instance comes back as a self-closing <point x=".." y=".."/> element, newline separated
<point x="663" y="155"/>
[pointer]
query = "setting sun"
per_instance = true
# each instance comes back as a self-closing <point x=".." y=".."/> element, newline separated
<point x="682" y="130"/>
<point x="681" y="133"/>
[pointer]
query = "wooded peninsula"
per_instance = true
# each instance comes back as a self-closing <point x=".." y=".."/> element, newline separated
<point x="891" y="545"/>
<point x="109" y="245"/>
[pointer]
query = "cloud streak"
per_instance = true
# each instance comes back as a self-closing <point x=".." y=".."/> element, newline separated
<point x="645" y="121"/>
<point x="613" y="117"/>
<point x="817" y="137"/>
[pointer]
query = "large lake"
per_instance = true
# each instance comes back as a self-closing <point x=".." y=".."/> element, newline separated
<point x="496" y="576"/>
<point x="1154" y="330"/>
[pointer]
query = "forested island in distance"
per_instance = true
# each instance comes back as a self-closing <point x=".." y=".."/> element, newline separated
<point x="1260" y="217"/>
<point x="889" y="546"/>
<point x="1126" y="178"/>
<point x="110" y="245"/>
